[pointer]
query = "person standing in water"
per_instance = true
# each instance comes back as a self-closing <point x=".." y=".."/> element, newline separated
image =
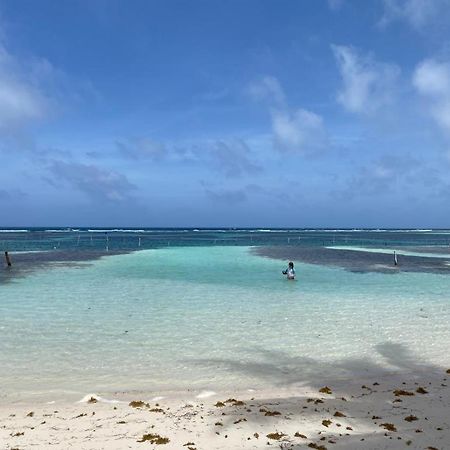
<point x="290" y="271"/>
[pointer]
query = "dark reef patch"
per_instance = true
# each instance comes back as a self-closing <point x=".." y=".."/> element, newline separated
<point x="360" y="261"/>
<point x="25" y="263"/>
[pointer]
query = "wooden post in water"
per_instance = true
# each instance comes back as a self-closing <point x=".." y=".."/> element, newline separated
<point x="8" y="259"/>
<point x="395" y="259"/>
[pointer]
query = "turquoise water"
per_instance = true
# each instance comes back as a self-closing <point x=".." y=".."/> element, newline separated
<point x="27" y="239"/>
<point x="218" y="318"/>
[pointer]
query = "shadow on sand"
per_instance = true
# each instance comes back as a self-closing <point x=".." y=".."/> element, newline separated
<point x="404" y="404"/>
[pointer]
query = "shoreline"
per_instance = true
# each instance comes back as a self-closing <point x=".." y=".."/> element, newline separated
<point x="122" y="394"/>
<point x="403" y="410"/>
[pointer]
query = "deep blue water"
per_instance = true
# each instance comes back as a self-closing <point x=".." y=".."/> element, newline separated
<point x="28" y="239"/>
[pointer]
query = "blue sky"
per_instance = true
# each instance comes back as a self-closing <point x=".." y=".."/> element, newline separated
<point x="327" y="113"/>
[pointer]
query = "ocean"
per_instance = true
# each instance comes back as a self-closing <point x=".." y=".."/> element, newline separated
<point x="164" y="311"/>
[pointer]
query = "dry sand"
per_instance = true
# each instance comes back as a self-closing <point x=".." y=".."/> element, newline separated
<point x="397" y="412"/>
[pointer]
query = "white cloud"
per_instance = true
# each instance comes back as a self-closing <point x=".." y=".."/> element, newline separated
<point x="418" y="13"/>
<point x="21" y="99"/>
<point x="368" y="85"/>
<point x="300" y="131"/>
<point x="294" y="130"/>
<point x="432" y="80"/>
<point x="268" y="88"/>
<point x="32" y="89"/>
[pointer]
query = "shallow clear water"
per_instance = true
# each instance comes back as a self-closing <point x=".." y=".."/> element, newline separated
<point x="212" y="318"/>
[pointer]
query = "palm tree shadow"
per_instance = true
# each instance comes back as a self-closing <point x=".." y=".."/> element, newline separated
<point x="367" y="387"/>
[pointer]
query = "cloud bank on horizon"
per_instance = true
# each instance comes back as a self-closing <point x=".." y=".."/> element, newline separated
<point x="172" y="113"/>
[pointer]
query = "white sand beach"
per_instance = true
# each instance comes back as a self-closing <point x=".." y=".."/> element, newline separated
<point x="395" y="412"/>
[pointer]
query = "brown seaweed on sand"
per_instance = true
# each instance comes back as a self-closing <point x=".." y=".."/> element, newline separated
<point x="276" y="436"/>
<point x="325" y="390"/>
<point x="240" y="420"/>
<point x="326" y="423"/>
<point x="339" y="414"/>
<point x="316" y="446"/>
<point x="314" y="400"/>
<point x="421" y="390"/>
<point x="219" y="405"/>
<point x="235" y="402"/>
<point x="411" y="418"/>
<point x="388" y="426"/>
<point x="269" y="413"/>
<point x="297" y="434"/>
<point x="138" y="404"/>
<point x="399" y="392"/>
<point x="92" y="400"/>
<point x="154" y="439"/>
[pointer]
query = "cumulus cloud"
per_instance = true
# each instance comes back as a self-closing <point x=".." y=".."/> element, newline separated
<point x="417" y="13"/>
<point x="299" y="131"/>
<point x="294" y="130"/>
<point x="269" y="89"/>
<point x="368" y="85"/>
<point x="97" y="183"/>
<point x="21" y="98"/>
<point x="432" y="80"/>
<point x="32" y="89"/>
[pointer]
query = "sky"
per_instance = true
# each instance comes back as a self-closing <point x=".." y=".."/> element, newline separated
<point x="230" y="113"/>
